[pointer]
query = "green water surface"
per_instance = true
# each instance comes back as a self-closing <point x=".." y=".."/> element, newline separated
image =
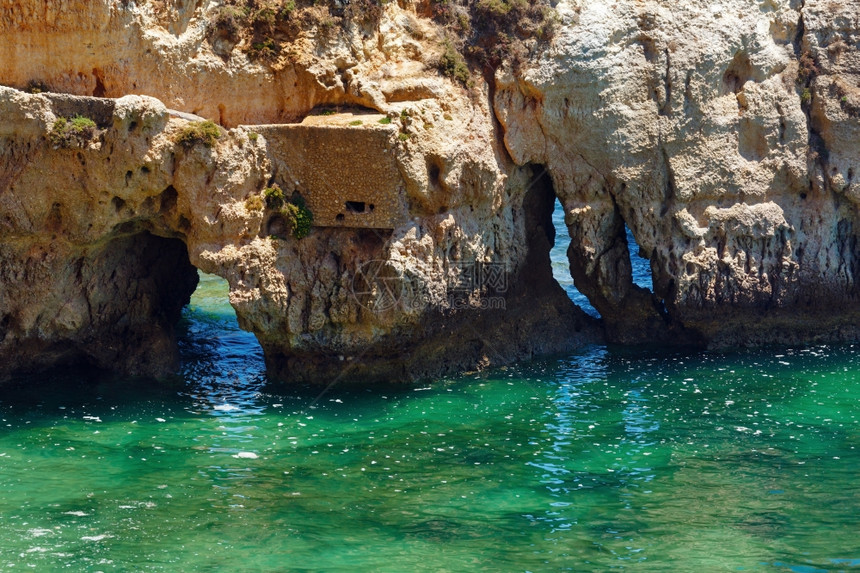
<point x="602" y="460"/>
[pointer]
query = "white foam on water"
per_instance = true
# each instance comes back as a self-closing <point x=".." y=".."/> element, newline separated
<point x="225" y="408"/>
<point x="96" y="537"/>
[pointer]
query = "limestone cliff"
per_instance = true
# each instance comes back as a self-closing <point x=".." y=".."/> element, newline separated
<point x="724" y="136"/>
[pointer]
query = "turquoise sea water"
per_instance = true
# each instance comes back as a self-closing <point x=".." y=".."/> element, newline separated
<point x="606" y="459"/>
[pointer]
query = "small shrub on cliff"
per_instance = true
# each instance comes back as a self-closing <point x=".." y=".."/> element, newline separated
<point x="268" y="48"/>
<point x="452" y="64"/>
<point x="295" y="211"/>
<point x="264" y="29"/>
<point x="36" y="87"/>
<point x="499" y="8"/>
<point x="274" y="196"/>
<point x="75" y="131"/>
<point x="287" y="8"/>
<point x="229" y="21"/>
<point x="254" y="203"/>
<point x="205" y="132"/>
<point x="487" y="33"/>
<point x="806" y="69"/>
<point x="263" y="18"/>
<point x="299" y="217"/>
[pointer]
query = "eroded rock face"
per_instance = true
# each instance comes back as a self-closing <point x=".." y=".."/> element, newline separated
<point x="95" y="266"/>
<point x="724" y="136"/>
<point x="101" y="238"/>
<point x="712" y="131"/>
<point x="172" y="51"/>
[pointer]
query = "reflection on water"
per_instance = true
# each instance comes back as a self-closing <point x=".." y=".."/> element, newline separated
<point x="223" y="364"/>
<point x="602" y="460"/>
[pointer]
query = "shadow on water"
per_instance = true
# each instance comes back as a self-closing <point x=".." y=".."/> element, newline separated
<point x="221" y="374"/>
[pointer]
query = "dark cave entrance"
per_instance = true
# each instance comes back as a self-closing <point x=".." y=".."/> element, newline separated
<point x="547" y="274"/>
<point x="155" y="315"/>
<point x="134" y="287"/>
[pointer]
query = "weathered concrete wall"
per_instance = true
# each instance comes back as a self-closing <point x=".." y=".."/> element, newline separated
<point x="344" y="166"/>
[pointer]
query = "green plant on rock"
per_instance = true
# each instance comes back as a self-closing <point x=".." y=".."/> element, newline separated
<point x="487" y="33"/>
<point x="74" y="131"/>
<point x="274" y="197"/>
<point x="500" y="8"/>
<point x="295" y="212"/>
<point x="806" y="96"/>
<point x="254" y="203"/>
<point x="287" y="8"/>
<point x="266" y="29"/>
<point x="452" y="63"/>
<point x="298" y="216"/>
<point x="356" y="122"/>
<point x="385" y="121"/>
<point x="205" y="132"/>
<point x="264" y="18"/>
<point x="268" y="48"/>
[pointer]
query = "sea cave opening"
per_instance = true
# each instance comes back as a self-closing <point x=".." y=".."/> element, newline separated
<point x="639" y="263"/>
<point x="173" y="315"/>
<point x="561" y="264"/>
<point x="630" y="286"/>
<point x="219" y="362"/>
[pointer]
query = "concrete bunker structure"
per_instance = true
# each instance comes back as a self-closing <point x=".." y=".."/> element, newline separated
<point x="344" y="167"/>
